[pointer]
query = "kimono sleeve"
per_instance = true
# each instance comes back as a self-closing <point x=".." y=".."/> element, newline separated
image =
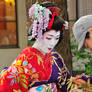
<point x="63" y="74"/>
<point x="16" y="77"/>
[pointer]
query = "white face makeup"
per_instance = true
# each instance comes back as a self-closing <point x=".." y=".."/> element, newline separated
<point x="49" y="41"/>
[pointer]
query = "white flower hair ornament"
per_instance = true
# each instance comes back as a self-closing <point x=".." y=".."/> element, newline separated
<point x="40" y="16"/>
<point x="66" y="25"/>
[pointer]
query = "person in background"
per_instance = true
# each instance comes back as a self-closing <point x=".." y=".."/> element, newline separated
<point x="82" y="31"/>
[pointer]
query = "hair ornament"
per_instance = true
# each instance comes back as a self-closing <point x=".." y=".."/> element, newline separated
<point x="54" y="9"/>
<point x="66" y="25"/>
<point x="40" y="15"/>
<point x="51" y="20"/>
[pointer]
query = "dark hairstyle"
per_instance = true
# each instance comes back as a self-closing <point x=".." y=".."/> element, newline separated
<point x="87" y="35"/>
<point x="47" y="4"/>
<point x="57" y="24"/>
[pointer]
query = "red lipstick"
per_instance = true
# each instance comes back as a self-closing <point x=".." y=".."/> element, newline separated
<point x="49" y="48"/>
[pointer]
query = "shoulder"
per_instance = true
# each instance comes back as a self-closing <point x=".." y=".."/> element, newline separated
<point x="58" y="58"/>
<point x="55" y="54"/>
<point x="26" y="50"/>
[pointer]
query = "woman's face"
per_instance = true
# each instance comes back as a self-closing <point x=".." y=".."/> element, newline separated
<point x="49" y="40"/>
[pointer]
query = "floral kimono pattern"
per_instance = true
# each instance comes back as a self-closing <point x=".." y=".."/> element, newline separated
<point x="31" y="68"/>
<point x="44" y="88"/>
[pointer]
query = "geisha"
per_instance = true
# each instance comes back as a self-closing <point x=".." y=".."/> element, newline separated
<point x="39" y="66"/>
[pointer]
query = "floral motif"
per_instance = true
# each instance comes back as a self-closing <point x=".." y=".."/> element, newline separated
<point x="23" y="79"/>
<point x="39" y="88"/>
<point x="2" y="76"/>
<point x="33" y="70"/>
<point x="41" y="19"/>
<point x="18" y="62"/>
<point x="14" y="90"/>
<point x="29" y="65"/>
<point x="14" y="78"/>
<point x="25" y="63"/>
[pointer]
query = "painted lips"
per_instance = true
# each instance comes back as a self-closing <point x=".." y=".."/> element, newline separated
<point x="49" y="48"/>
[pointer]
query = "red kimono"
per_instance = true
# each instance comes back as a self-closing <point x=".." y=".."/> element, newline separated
<point x="29" y="65"/>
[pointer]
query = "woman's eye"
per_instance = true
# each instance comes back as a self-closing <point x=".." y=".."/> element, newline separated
<point x="48" y="38"/>
<point x="57" y="38"/>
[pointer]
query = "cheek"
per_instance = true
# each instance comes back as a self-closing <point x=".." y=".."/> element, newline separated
<point x="56" y="42"/>
<point x="89" y="43"/>
<point x="46" y="41"/>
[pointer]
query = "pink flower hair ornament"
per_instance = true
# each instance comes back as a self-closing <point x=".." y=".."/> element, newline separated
<point x="40" y="15"/>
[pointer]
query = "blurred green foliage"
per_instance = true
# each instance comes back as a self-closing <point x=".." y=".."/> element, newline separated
<point x="88" y="69"/>
<point x="84" y="54"/>
<point x="30" y="43"/>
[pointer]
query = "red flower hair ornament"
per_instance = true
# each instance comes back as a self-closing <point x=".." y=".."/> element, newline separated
<point x="51" y="20"/>
<point x="55" y="12"/>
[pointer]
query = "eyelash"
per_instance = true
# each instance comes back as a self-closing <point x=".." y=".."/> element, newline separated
<point x="51" y="38"/>
<point x="57" y="38"/>
<point x="48" y="38"/>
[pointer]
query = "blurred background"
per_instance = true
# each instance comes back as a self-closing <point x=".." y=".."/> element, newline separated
<point x="14" y="24"/>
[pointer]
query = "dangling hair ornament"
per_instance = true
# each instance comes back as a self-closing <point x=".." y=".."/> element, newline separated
<point x="40" y="15"/>
<point x="66" y="25"/>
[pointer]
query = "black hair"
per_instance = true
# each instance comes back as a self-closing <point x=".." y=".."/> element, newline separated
<point x="47" y="4"/>
<point x="57" y="26"/>
<point x="87" y="35"/>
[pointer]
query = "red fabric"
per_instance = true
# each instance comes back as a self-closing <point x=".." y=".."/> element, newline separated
<point x="63" y="28"/>
<point x="54" y="9"/>
<point x="58" y="90"/>
<point x="26" y="68"/>
<point x="51" y="20"/>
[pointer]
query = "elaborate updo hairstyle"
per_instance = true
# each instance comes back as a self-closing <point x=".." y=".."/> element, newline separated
<point x="58" y="23"/>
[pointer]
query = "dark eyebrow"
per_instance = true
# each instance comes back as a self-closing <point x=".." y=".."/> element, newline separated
<point x="52" y="35"/>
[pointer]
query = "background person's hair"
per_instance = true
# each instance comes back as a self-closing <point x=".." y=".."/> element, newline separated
<point x="87" y="35"/>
